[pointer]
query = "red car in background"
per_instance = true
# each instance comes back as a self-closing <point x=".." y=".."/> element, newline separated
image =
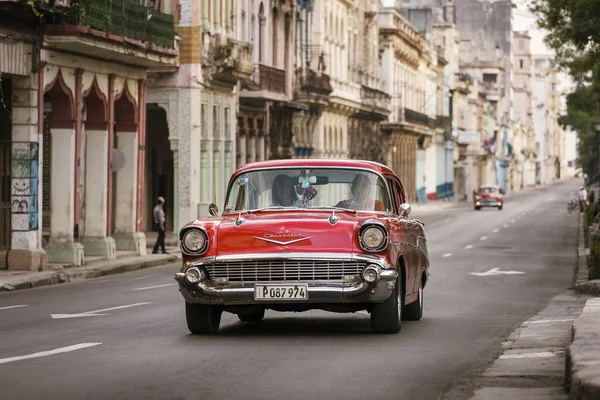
<point x="296" y="235"/>
<point x="488" y="196"/>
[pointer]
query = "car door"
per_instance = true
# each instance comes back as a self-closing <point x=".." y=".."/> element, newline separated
<point x="404" y="235"/>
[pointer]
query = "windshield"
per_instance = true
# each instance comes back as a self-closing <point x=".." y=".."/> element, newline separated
<point x="487" y="190"/>
<point x="308" y="188"/>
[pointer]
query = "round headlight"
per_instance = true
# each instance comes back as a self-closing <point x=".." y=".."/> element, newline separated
<point x="194" y="241"/>
<point x="370" y="274"/>
<point x="193" y="275"/>
<point x="373" y="238"/>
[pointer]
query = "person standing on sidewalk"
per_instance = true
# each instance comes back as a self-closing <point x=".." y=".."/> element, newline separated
<point x="582" y="199"/>
<point x="159" y="222"/>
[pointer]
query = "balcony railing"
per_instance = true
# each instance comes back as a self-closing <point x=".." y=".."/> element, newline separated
<point x="414" y="117"/>
<point x="310" y="82"/>
<point x="271" y="79"/>
<point x="124" y="18"/>
<point x="374" y="98"/>
<point x="443" y="122"/>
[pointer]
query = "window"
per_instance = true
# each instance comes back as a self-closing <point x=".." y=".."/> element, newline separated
<point x="521" y="44"/>
<point x="215" y="121"/>
<point x="226" y="123"/>
<point x="203" y="126"/>
<point x="521" y="63"/>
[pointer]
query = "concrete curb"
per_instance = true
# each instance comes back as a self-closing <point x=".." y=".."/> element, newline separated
<point x="45" y="278"/>
<point x="583" y="356"/>
<point x="582" y="364"/>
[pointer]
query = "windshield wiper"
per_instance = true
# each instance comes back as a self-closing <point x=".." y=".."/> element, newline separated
<point x="272" y="208"/>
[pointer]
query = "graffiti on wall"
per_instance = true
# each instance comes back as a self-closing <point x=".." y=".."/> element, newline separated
<point x="25" y="178"/>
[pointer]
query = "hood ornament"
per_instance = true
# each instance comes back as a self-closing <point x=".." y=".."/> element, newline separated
<point x="333" y="219"/>
<point x="268" y="237"/>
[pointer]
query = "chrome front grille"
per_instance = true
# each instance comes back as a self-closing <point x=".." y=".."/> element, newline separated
<point x="285" y="271"/>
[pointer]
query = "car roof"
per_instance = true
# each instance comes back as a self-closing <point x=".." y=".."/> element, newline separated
<point x="317" y="162"/>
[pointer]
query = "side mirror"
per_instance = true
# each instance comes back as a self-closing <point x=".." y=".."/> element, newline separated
<point x="405" y="210"/>
<point x="213" y="209"/>
<point x="501" y="191"/>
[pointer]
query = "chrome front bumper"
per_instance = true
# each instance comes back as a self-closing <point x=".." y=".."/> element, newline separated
<point x="235" y="293"/>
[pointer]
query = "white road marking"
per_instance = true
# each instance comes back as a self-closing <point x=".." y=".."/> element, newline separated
<point x="49" y="352"/>
<point x="468" y="247"/>
<point x="496" y="230"/>
<point x="447" y="255"/>
<point x="506" y="225"/>
<point x="96" y="312"/>
<point x="512" y="221"/>
<point x="483" y="238"/>
<point x="496" y="271"/>
<point x="143" y="277"/>
<point x="155" y="286"/>
<point x="9" y="307"/>
<point x="549" y="321"/>
<point x="528" y="355"/>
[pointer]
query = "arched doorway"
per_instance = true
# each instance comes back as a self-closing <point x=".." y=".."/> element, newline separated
<point x="160" y="173"/>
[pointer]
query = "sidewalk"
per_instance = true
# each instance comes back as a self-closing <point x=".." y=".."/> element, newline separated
<point x="555" y="355"/>
<point x="94" y="267"/>
<point x="583" y="356"/>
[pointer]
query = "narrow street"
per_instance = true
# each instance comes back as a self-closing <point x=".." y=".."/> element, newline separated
<point x="125" y="336"/>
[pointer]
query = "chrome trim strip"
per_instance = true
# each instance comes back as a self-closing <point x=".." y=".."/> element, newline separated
<point x="283" y="243"/>
<point x="294" y="256"/>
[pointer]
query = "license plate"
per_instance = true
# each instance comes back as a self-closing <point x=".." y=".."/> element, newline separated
<point x="281" y="292"/>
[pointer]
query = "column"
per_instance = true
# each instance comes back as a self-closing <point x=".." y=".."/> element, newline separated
<point x="26" y="251"/>
<point x="95" y="241"/>
<point x="62" y="248"/>
<point x="125" y="229"/>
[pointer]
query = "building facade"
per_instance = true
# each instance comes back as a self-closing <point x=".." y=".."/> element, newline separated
<point x="75" y="114"/>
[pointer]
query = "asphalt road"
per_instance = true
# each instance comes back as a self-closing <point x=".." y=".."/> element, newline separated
<point x="143" y="349"/>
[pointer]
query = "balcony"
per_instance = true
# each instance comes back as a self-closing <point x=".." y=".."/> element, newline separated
<point x="375" y="102"/>
<point x="226" y="60"/>
<point x="416" y="118"/>
<point x="312" y="87"/>
<point x="443" y="122"/>
<point x="115" y="30"/>
<point x="271" y="79"/>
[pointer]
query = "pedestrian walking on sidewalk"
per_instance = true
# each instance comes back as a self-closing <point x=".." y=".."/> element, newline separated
<point x="159" y="223"/>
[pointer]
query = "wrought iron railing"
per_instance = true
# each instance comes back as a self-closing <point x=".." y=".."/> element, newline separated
<point x="124" y="18"/>
<point x="417" y="118"/>
<point x="309" y="81"/>
<point x="271" y="79"/>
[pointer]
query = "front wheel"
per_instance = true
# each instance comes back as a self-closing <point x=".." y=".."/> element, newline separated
<point x="499" y="208"/>
<point x="386" y="317"/>
<point x="202" y="318"/>
<point x="414" y="310"/>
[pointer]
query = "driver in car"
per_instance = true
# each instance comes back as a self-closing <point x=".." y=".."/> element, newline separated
<point x="361" y="196"/>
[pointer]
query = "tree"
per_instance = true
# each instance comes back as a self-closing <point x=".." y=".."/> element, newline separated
<point x="573" y="28"/>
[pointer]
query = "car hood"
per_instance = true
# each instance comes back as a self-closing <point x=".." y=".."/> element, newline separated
<point x="287" y="232"/>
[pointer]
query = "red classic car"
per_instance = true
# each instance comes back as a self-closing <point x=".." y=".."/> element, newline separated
<point x="297" y="235"/>
<point x="488" y="196"/>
